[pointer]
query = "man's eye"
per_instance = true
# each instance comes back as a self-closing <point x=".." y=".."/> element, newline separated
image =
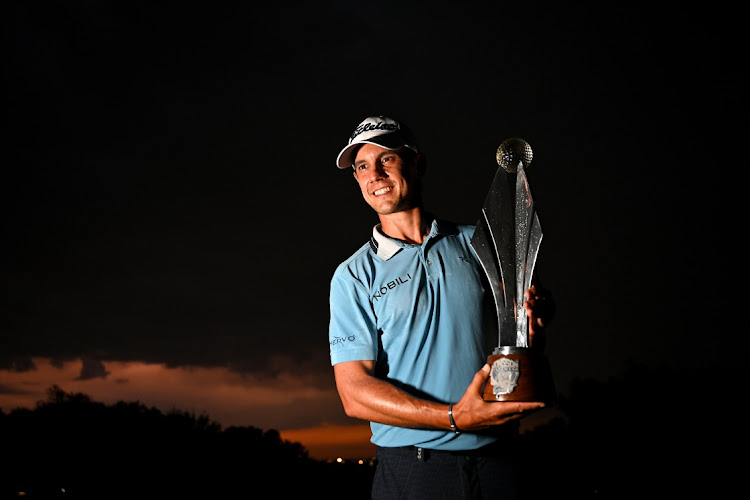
<point x="362" y="166"/>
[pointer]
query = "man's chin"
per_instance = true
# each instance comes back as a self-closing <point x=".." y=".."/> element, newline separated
<point x="384" y="207"/>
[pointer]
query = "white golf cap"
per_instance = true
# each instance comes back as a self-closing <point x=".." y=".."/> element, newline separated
<point x="379" y="130"/>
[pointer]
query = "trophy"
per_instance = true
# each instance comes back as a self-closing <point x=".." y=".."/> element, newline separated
<point x="506" y="241"/>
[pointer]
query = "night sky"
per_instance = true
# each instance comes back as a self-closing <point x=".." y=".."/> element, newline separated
<point x="170" y="196"/>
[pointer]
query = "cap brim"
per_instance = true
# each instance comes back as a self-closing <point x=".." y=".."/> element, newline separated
<point x="389" y="141"/>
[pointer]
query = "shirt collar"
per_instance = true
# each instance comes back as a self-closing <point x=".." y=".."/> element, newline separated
<point x="386" y="247"/>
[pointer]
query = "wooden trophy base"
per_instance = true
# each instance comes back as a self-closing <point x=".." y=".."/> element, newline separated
<point x="518" y="374"/>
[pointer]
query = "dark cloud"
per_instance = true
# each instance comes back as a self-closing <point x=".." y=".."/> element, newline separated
<point x="15" y="390"/>
<point x="18" y="364"/>
<point x="92" y="368"/>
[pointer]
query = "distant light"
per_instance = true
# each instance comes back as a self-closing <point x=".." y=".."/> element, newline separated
<point x="339" y="460"/>
<point x="361" y="461"/>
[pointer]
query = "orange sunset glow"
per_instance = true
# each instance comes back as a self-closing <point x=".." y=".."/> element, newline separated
<point x="226" y="397"/>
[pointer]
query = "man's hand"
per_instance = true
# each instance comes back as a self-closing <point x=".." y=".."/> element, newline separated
<point x="540" y="308"/>
<point x="473" y="413"/>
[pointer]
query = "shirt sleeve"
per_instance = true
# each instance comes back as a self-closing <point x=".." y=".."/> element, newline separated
<point x="352" y="332"/>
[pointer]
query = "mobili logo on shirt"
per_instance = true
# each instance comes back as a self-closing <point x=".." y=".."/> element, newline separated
<point x="390" y="286"/>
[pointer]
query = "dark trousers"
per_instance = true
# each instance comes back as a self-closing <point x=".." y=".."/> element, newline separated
<point x="411" y="473"/>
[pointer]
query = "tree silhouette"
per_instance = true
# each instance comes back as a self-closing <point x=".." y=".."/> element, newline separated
<point x="70" y="446"/>
<point x="635" y="436"/>
<point x="627" y="437"/>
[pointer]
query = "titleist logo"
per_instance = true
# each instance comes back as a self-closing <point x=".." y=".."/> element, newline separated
<point x="366" y="127"/>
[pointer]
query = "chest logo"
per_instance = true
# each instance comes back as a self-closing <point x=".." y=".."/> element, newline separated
<point x="390" y="286"/>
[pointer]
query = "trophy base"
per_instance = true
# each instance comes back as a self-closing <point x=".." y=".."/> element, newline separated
<point x="518" y="374"/>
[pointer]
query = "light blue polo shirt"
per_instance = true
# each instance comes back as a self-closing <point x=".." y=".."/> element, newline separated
<point x="418" y="311"/>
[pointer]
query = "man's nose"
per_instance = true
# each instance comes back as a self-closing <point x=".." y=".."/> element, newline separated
<point x="377" y="172"/>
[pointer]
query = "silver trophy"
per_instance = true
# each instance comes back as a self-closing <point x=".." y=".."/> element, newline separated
<point x="506" y="240"/>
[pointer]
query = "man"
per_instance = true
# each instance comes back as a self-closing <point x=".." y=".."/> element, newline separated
<point x="407" y="337"/>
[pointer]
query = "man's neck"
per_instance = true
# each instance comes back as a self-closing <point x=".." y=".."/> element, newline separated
<point x="411" y="226"/>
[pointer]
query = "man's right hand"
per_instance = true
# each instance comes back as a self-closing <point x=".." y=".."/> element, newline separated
<point x="473" y="413"/>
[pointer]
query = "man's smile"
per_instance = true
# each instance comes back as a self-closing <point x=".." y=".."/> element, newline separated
<point x="383" y="190"/>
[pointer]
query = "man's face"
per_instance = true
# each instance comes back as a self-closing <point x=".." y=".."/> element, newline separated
<point x="387" y="179"/>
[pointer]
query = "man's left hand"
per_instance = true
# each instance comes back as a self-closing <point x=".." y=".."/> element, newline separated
<point x="540" y="308"/>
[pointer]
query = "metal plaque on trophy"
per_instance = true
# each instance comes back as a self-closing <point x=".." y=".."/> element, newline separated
<point x="506" y="241"/>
